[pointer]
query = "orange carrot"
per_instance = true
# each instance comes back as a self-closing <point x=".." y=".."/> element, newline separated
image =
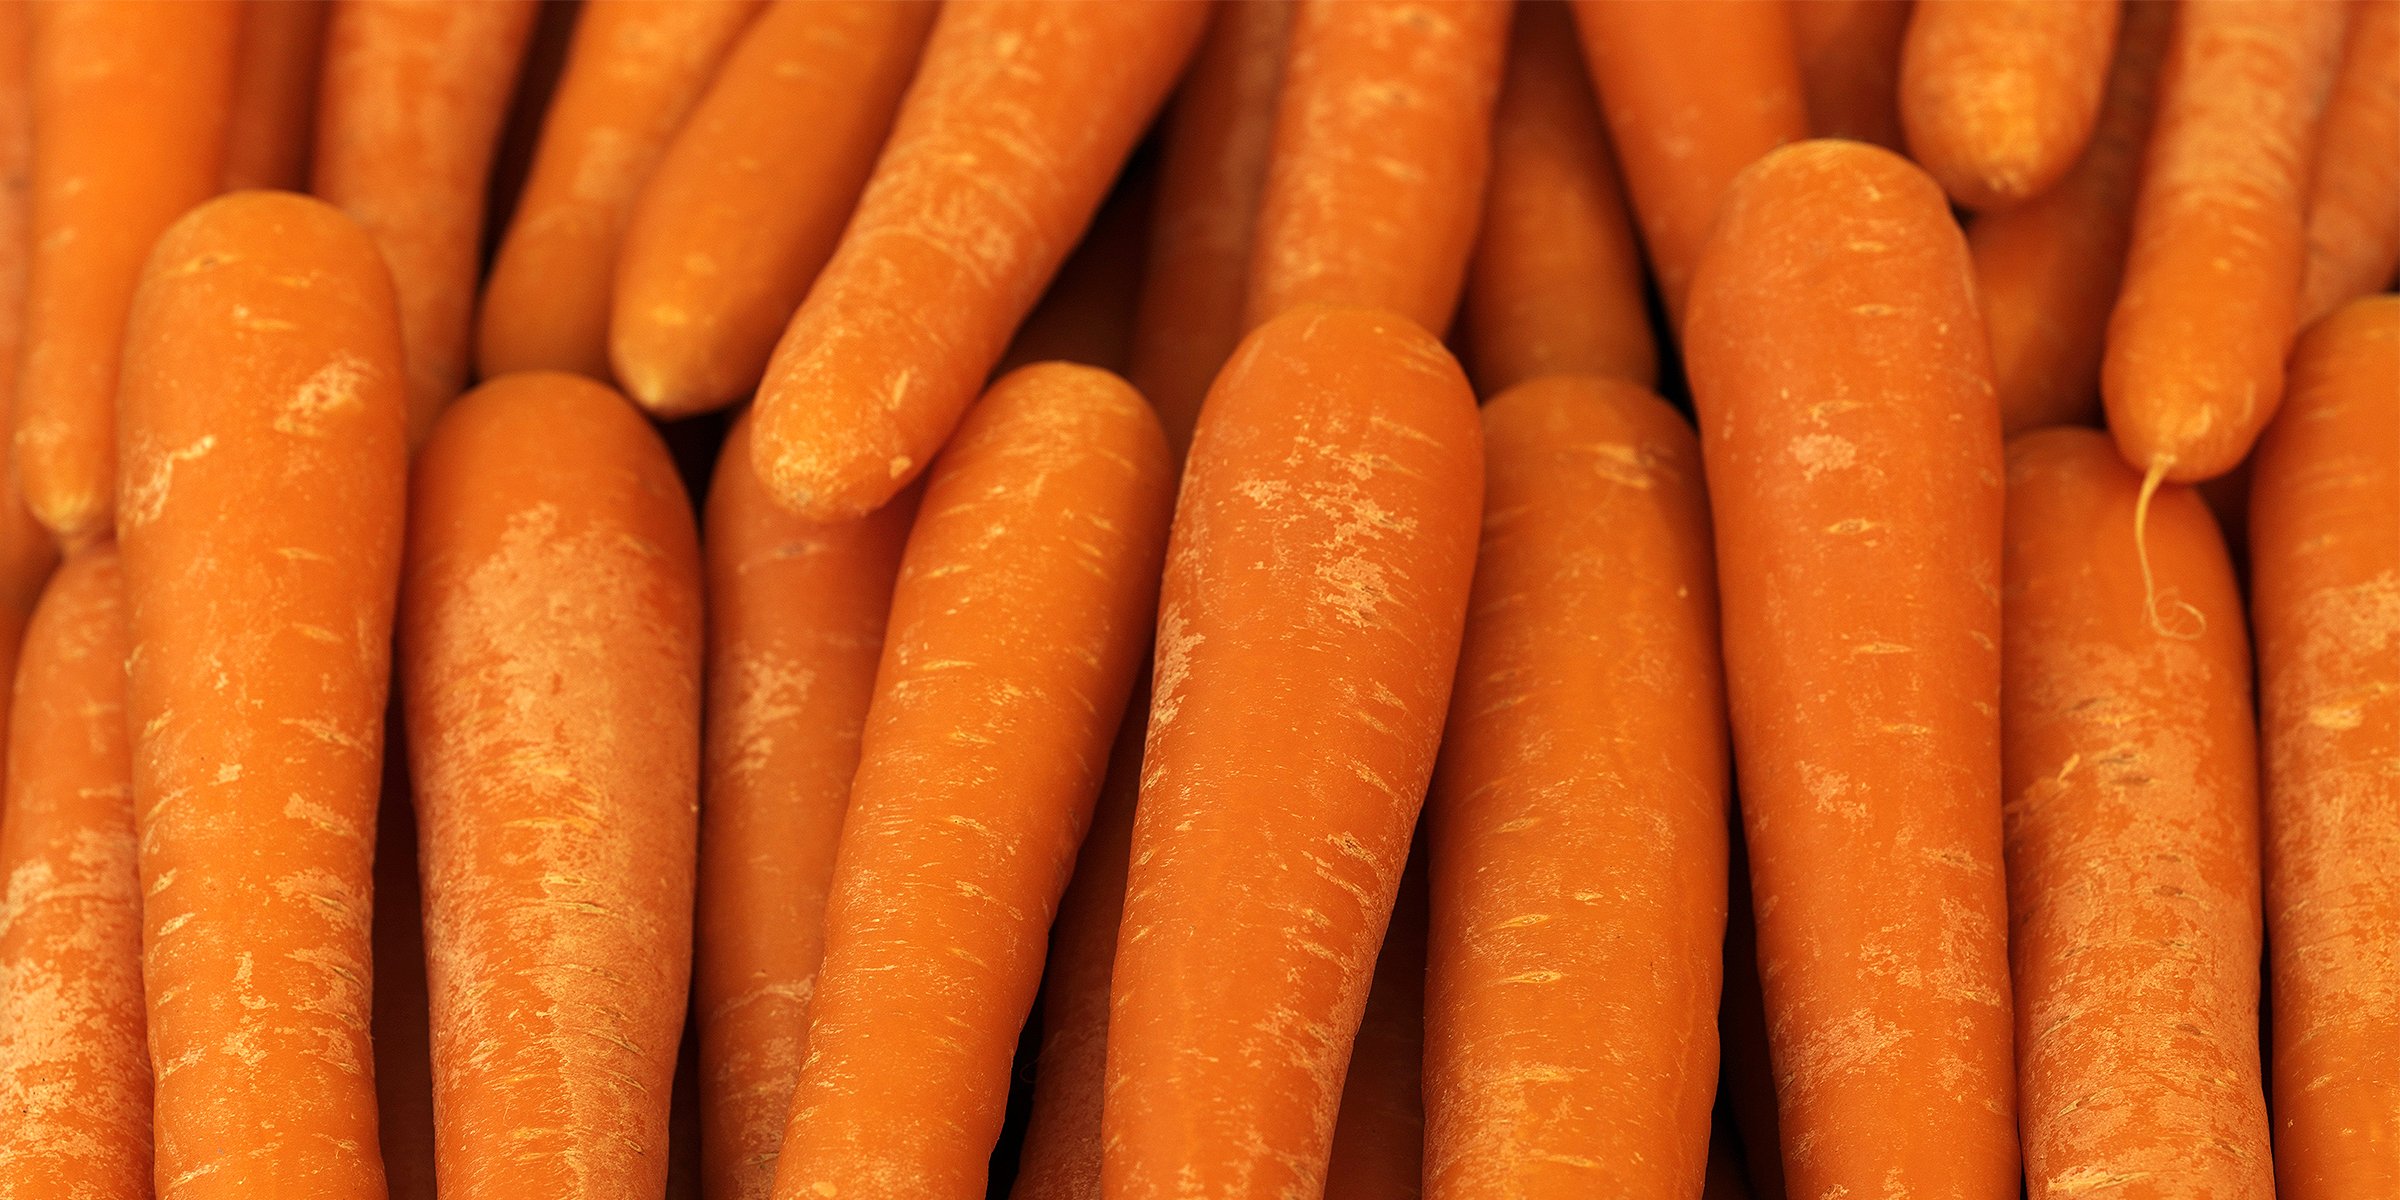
<point x="550" y="671"/>
<point x="2048" y="269"/>
<point x="1378" y="1150"/>
<point x="796" y="616"/>
<point x="1087" y="315"/>
<point x="26" y="552"/>
<point x="1383" y="134"/>
<point x="129" y="109"/>
<point x="2325" y="573"/>
<point x="1853" y="463"/>
<point x="2354" y="198"/>
<point x="2132" y="824"/>
<point x="633" y="69"/>
<point x="2194" y="364"/>
<point x="1308" y="629"/>
<point x="2000" y="96"/>
<point x="1850" y="67"/>
<point x="261" y="427"/>
<point x="1020" y="115"/>
<point x="414" y="92"/>
<point x="74" y="1074"/>
<point x="1579" y="817"/>
<point x="403" y="1023"/>
<point x="1555" y="287"/>
<point x="1693" y="93"/>
<point x="1212" y="169"/>
<point x="275" y="69"/>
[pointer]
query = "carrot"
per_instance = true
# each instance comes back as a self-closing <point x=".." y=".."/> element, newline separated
<point x="1853" y="462"/>
<point x="1020" y="115"/>
<point x="796" y="616"/>
<point x="1579" y="816"/>
<point x="74" y="1074"/>
<point x="1212" y="167"/>
<point x="1693" y="93"/>
<point x="403" y="1023"/>
<point x="414" y="91"/>
<point x="26" y="552"/>
<point x="2132" y="835"/>
<point x="1999" y="96"/>
<point x="1383" y="133"/>
<point x="129" y="110"/>
<point x="1850" y="67"/>
<point x="2354" y="197"/>
<point x="2325" y="574"/>
<point x="1087" y="315"/>
<point x="2194" y="363"/>
<point x="1308" y="628"/>
<point x="1378" y="1150"/>
<point x="273" y="119"/>
<point x="1555" y="285"/>
<point x="550" y="672"/>
<point x="261" y="427"/>
<point x="2047" y="270"/>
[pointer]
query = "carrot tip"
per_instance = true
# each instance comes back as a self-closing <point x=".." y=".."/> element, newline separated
<point x="2152" y="598"/>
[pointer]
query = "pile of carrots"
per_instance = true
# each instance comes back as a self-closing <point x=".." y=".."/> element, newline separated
<point x="827" y="599"/>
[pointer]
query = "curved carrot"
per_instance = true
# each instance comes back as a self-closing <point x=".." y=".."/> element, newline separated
<point x="1693" y="93"/>
<point x="1383" y="131"/>
<point x="2132" y="825"/>
<point x="1555" y="286"/>
<point x="1020" y="115"/>
<point x="414" y="93"/>
<point x="1308" y="628"/>
<point x="1378" y="1150"/>
<point x="261" y="427"/>
<point x="272" y="121"/>
<point x="633" y="69"/>
<point x="1850" y="67"/>
<point x="1999" y="96"/>
<point x="129" y="109"/>
<point x="2047" y="270"/>
<point x="1087" y="315"/>
<point x="2354" y="196"/>
<point x="550" y="671"/>
<point x="2325" y="574"/>
<point x="1212" y="168"/>
<point x="1853" y="462"/>
<point x="2194" y="364"/>
<point x="74" y="1073"/>
<point x="1579" y="816"/>
<point x="795" y="626"/>
<point x="27" y="552"/>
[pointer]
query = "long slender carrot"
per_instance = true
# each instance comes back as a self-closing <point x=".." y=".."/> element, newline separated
<point x="27" y="552"/>
<point x="2131" y="772"/>
<point x="403" y="1021"/>
<point x="74" y="1073"/>
<point x="2354" y="196"/>
<point x="276" y="65"/>
<point x="1999" y="96"/>
<point x="1019" y="117"/>
<point x="634" y="68"/>
<point x="1853" y="461"/>
<point x="796" y="617"/>
<point x="414" y="92"/>
<point x="1308" y="628"/>
<point x="129" y="110"/>
<point x="261" y="427"/>
<point x="550" y="670"/>
<point x="2048" y="269"/>
<point x="1555" y="286"/>
<point x="1212" y="169"/>
<point x="1378" y="1149"/>
<point x="2325" y="574"/>
<point x="1579" y="816"/>
<point x="2206" y="314"/>
<point x="1850" y="67"/>
<point x="1383" y="132"/>
<point x="1693" y="93"/>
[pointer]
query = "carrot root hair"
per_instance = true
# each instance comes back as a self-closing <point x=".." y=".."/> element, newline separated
<point x="2152" y="598"/>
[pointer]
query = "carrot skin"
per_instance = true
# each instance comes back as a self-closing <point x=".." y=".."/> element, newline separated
<point x="1999" y="97"/>
<point x="1850" y="68"/>
<point x="27" y="552"/>
<point x="2354" y="196"/>
<point x="272" y="121"/>
<point x="1378" y="1150"/>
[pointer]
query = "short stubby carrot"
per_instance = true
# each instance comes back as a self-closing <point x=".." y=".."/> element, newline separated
<point x="2208" y="307"/>
<point x="74" y="1073"/>
<point x="1378" y="1150"/>
<point x="2000" y="96"/>
<point x="1578" y="820"/>
<point x="2354" y="193"/>
<point x="550" y="650"/>
<point x="261" y="428"/>
<point x="273" y="122"/>
<point x="1555" y="287"/>
<point x="2325" y="583"/>
<point x="129" y="117"/>
<point x="1854" y="475"/>
<point x="1383" y="131"/>
<point x="1021" y="113"/>
<point x="1850" y="67"/>
<point x="2131" y="772"/>
<point x="795" y="628"/>
<point x="1308" y="628"/>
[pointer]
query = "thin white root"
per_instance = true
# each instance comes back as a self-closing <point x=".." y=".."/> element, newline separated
<point x="2151" y="597"/>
